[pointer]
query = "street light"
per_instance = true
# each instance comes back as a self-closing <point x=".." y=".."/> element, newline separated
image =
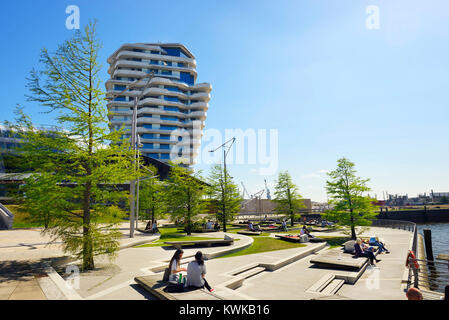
<point x="225" y="153"/>
<point x="132" y="186"/>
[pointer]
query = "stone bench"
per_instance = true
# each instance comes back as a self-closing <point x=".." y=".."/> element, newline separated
<point x="340" y="259"/>
<point x="199" y="230"/>
<point x="208" y="243"/>
<point x="150" y="231"/>
<point x="155" y="286"/>
<point x="250" y="233"/>
<point x="299" y="238"/>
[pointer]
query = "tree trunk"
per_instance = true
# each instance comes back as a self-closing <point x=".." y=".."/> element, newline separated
<point x="353" y="235"/>
<point x="152" y="214"/>
<point x="189" y="223"/>
<point x="88" y="258"/>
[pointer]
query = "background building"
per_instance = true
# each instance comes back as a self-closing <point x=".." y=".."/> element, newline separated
<point x="172" y="111"/>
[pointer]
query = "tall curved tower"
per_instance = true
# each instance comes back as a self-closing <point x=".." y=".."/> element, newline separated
<point x="172" y="111"/>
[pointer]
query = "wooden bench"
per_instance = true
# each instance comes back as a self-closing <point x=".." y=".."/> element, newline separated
<point x="208" y="243"/>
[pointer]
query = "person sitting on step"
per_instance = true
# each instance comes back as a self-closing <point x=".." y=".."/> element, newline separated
<point x="360" y="251"/>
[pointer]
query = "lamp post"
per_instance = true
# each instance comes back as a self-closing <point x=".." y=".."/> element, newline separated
<point x="132" y="185"/>
<point x="223" y="189"/>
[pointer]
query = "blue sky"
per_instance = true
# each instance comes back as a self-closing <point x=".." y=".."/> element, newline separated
<point x="309" y="69"/>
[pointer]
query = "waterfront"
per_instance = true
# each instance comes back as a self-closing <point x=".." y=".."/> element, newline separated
<point x="440" y="245"/>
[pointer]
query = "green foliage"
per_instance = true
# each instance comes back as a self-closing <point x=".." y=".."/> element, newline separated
<point x="184" y="195"/>
<point x="73" y="190"/>
<point x="225" y="193"/>
<point x="288" y="200"/>
<point x="345" y="190"/>
<point x="151" y="195"/>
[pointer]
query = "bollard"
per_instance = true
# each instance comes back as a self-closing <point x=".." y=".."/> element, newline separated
<point x="428" y="245"/>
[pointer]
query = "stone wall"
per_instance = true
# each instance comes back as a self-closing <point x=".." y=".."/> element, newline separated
<point x="417" y="216"/>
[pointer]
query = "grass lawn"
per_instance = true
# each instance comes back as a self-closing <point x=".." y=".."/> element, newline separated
<point x="335" y="242"/>
<point x="21" y="218"/>
<point x="172" y="234"/>
<point x="264" y="244"/>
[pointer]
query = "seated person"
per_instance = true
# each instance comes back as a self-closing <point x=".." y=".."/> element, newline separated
<point x="374" y="241"/>
<point x="154" y="229"/>
<point x="196" y="271"/>
<point x="306" y="231"/>
<point x="360" y="251"/>
<point x="209" y="225"/>
<point x="216" y="226"/>
<point x="175" y="265"/>
<point x="148" y="226"/>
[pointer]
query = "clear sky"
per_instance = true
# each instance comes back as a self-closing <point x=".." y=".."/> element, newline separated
<point x="310" y="69"/>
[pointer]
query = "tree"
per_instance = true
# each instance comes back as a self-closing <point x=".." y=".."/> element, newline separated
<point x="225" y="193"/>
<point x="444" y="200"/>
<point x="184" y="195"/>
<point x="151" y="195"/>
<point x="77" y="168"/>
<point x="288" y="200"/>
<point x="345" y="191"/>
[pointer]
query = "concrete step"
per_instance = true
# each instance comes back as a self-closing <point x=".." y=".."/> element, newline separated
<point x="322" y="283"/>
<point x="252" y="272"/>
<point x="333" y="287"/>
<point x="240" y="270"/>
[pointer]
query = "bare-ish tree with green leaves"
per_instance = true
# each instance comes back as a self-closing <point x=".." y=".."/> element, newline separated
<point x="288" y="200"/>
<point x="77" y="169"/>
<point x="151" y="195"/>
<point x="225" y="193"/>
<point x="184" y="195"/>
<point x="346" y="194"/>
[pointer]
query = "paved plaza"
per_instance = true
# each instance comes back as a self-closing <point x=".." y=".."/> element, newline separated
<point x="283" y="274"/>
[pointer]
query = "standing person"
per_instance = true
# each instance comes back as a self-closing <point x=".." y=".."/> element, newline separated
<point x="250" y="226"/>
<point x="284" y="225"/>
<point x="361" y="252"/>
<point x="196" y="270"/>
<point x="209" y="225"/>
<point x="175" y="265"/>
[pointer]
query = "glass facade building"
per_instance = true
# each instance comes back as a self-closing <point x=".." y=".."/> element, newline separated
<point x="172" y="111"/>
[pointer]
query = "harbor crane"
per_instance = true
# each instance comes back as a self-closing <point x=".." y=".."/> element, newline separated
<point x="267" y="190"/>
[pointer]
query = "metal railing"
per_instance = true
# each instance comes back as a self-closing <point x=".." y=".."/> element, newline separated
<point x="413" y="273"/>
<point x="430" y="275"/>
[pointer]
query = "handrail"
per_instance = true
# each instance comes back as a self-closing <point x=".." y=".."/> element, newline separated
<point x="413" y="274"/>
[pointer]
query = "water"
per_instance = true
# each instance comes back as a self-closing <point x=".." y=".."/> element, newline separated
<point x="440" y="244"/>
